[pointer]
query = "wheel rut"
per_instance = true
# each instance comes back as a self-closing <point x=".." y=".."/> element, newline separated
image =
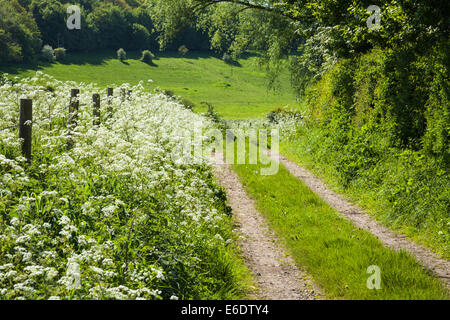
<point x="439" y="266"/>
<point x="274" y="271"/>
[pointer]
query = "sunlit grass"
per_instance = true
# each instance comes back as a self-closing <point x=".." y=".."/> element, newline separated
<point x="330" y="248"/>
<point x="237" y="92"/>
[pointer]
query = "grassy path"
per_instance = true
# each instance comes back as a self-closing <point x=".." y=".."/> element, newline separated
<point x="274" y="271"/>
<point x="440" y="266"/>
<point x="329" y="247"/>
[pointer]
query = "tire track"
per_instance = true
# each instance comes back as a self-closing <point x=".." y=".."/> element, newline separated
<point x="439" y="266"/>
<point x="274" y="271"/>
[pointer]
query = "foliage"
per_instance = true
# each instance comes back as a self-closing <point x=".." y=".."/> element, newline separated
<point x="199" y="77"/>
<point x="26" y="24"/>
<point x="116" y="216"/>
<point x="141" y="36"/>
<point x="332" y="250"/>
<point x="60" y="54"/>
<point x="183" y="50"/>
<point x="50" y="16"/>
<point x="109" y="22"/>
<point x="19" y="34"/>
<point x="378" y="126"/>
<point x="121" y="54"/>
<point x="147" y="56"/>
<point x="281" y="115"/>
<point x="48" y="54"/>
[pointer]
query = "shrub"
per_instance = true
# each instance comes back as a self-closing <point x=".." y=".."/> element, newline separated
<point x="121" y="54"/>
<point x="188" y="104"/>
<point x="147" y="56"/>
<point x="48" y="54"/>
<point x="183" y="50"/>
<point x="227" y="58"/>
<point x="60" y="54"/>
<point x="168" y="93"/>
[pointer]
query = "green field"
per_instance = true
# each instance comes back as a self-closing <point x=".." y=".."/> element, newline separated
<point x="237" y="92"/>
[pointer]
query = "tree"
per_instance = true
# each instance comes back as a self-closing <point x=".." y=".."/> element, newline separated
<point x="110" y="26"/>
<point x="49" y="16"/>
<point x="140" y="37"/>
<point x="147" y="56"/>
<point x="19" y="34"/>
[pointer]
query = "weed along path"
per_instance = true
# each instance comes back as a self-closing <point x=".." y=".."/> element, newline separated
<point x="362" y="220"/>
<point x="274" y="271"/>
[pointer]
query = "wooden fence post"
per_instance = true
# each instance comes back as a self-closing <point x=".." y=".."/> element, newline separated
<point x="110" y="95"/>
<point x="25" y="129"/>
<point x="74" y="106"/>
<point x="96" y="108"/>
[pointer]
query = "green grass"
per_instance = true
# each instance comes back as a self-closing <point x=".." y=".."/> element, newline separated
<point x="371" y="189"/>
<point x="237" y="92"/>
<point x="329" y="247"/>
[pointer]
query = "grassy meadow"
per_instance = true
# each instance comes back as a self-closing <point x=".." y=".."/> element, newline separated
<point x="237" y="91"/>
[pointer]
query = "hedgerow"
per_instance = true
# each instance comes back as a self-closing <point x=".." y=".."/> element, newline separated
<point x="113" y="217"/>
<point x="378" y="126"/>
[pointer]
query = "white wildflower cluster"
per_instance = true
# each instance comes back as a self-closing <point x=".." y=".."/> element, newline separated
<point x="115" y="215"/>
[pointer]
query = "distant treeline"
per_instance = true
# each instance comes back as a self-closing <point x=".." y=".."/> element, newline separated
<point x="27" y="25"/>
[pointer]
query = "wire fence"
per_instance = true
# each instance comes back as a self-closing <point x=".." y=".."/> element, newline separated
<point x="9" y="128"/>
<point x="36" y="122"/>
<point x="72" y="108"/>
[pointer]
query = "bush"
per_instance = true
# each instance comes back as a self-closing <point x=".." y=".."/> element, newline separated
<point x="188" y="104"/>
<point x="19" y="34"/>
<point x="183" y="50"/>
<point x="48" y="54"/>
<point x="60" y="54"/>
<point x="168" y="93"/>
<point x="121" y="54"/>
<point x="282" y="113"/>
<point x="227" y="58"/>
<point x="147" y="56"/>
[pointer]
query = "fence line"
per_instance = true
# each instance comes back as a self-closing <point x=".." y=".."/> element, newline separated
<point x="36" y="122"/>
<point x="11" y="127"/>
<point x="26" y="117"/>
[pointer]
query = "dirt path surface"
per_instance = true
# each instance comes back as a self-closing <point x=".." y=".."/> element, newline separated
<point x="430" y="260"/>
<point x="273" y="270"/>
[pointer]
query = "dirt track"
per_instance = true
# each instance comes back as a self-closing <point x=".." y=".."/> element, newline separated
<point x="274" y="271"/>
<point x="360" y="219"/>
